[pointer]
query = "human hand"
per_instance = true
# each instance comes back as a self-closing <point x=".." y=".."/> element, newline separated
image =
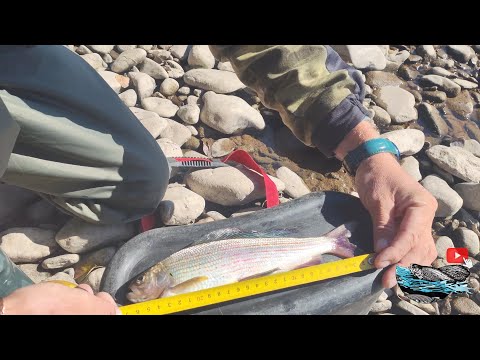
<point x="56" y="299"/>
<point x="402" y="214"/>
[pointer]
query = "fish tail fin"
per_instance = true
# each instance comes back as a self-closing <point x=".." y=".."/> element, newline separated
<point x="341" y="245"/>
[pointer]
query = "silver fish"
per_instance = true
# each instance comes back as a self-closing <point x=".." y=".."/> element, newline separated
<point x="227" y="261"/>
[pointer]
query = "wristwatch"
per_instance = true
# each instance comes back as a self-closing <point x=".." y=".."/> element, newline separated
<point x="369" y="148"/>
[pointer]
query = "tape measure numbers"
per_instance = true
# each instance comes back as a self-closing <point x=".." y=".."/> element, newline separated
<point x="250" y="287"/>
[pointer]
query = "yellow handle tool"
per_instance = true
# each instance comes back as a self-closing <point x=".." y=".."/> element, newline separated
<point x="247" y="288"/>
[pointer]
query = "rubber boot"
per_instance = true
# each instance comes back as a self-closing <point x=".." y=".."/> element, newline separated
<point x="11" y="277"/>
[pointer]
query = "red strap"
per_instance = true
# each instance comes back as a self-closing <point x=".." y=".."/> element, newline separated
<point x="244" y="158"/>
<point x="147" y="223"/>
<point x="241" y="157"/>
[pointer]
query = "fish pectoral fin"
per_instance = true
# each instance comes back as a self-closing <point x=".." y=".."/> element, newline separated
<point x="182" y="287"/>
<point x="269" y="272"/>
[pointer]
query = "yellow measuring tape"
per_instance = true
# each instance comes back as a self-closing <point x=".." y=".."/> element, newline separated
<point x="250" y="287"/>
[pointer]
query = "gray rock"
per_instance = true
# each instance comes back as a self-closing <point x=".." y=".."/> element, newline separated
<point x="457" y="161"/>
<point x="450" y="88"/>
<point x="143" y="84"/>
<point x="94" y="279"/>
<point x="465" y="306"/>
<point x="221" y="82"/>
<point x="462" y="53"/>
<point x="180" y="206"/>
<point x="27" y="245"/>
<point x="414" y="59"/>
<point x="34" y="272"/>
<point x="383" y="296"/>
<point x="449" y="202"/>
<point x="160" y="55"/>
<point x="60" y="261"/>
<point x="364" y="57"/>
<point x="461" y="104"/>
<point x="192" y="129"/>
<point x="176" y="132"/>
<point x="470" y="193"/>
<point x="153" y="69"/>
<point x="116" y="81"/>
<point x="78" y="236"/>
<point x="412" y="167"/>
<point x="195" y="154"/>
<point x="465" y="238"/>
<point x="169" y="148"/>
<point x="83" y="50"/>
<point x="101" y="49"/>
<point x="399" y="103"/>
<point x="169" y="87"/>
<point x="180" y="51"/>
<point x="408" y="141"/>
<point x="407" y="73"/>
<point x="427" y="51"/>
<point x="189" y="113"/>
<point x="434" y="96"/>
<point x="378" y="79"/>
<point x="445" y="63"/>
<point x="465" y="84"/>
<point x="399" y="57"/>
<point x="129" y="97"/>
<point x="294" y="185"/>
<point x="162" y="107"/>
<point x="428" y="308"/>
<point x="432" y="117"/>
<point x="122" y="48"/>
<point x="225" y="66"/>
<point x="152" y="121"/>
<point x="471" y="145"/>
<point x="442" y="244"/>
<point x="222" y="147"/>
<point x="379" y="307"/>
<point x="228" y="186"/>
<point x="107" y="58"/>
<point x="94" y="60"/>
<point x="476" y="48"/>
<point x="215" y="215"/>
<point x="205" y="220"/>
<point x="174" y="70"/>
<point x="410" y="308"/>
<point x="436" y="70"/>
<point x="192" y="100"/>
<point x="229" y="114"/>
<point x="200" y="56"/>
<point x="193" y="143"/>
<point x="381" y="117"/>
<point x="198" y="92"/>
<point x="146" y="47"/>
<point x="184" y="90"/>
<point x="127" y="59"/>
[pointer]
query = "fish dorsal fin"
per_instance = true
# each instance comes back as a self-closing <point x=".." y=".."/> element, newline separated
<point x="343" y="231"/>
<point x="268" y="272"/>
<point x="180" y="288"/>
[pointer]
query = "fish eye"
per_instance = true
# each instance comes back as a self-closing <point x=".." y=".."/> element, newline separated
<point x="140" y="279"/>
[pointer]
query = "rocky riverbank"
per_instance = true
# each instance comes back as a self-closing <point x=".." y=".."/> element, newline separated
<point x="424" y="98"/>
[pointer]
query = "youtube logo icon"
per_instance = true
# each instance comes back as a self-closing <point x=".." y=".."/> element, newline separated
<point x="457" y="255"/>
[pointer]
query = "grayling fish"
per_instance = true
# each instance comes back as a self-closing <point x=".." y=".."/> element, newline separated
<point x="210" y="264"/>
